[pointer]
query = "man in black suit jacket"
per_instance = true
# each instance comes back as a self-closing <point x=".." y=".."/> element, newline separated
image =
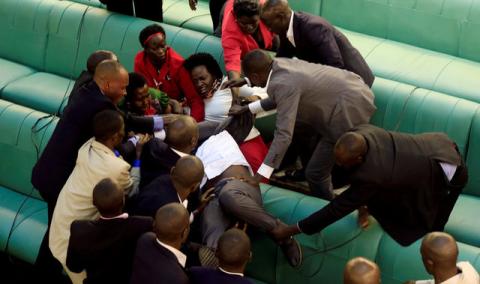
<point x="158" y="258"/>
<point x="147" y="9"/>
<point x="313" y="39"/>
<point x="105" y="247"/>
<point x="87" y="75"/>
<point x="73" y="129"/>
<point x="233" y="253"/>
<point x="158" y="157"/>
<point x="176" y="187"/>
<point x="410" y="183"/>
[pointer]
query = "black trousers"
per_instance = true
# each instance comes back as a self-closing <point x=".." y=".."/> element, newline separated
<point x="147" y="9"/>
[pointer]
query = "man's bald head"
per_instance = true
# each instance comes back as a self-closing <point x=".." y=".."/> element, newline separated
<point x="439" y="252"/>
<point x="350" y="149"/>
<point x="172" y="224"/>
<point x="187" y="175"/>
<point x="112" y="79"/>
<point x="276" y="14"/>
<point x="256" y="65"/>
<point x="98" y="56"/>
<point x="361" y="271"/>
<point x="182" y="134"/>
<point x="233" y="250"/>
<point x="108" y="198"/>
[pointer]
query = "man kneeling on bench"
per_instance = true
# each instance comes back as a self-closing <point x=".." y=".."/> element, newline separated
<point x="236" y="195"/>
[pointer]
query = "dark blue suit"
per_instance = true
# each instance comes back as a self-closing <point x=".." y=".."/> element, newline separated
<point x="153" y="196"/>
<point x="154" y="264"/>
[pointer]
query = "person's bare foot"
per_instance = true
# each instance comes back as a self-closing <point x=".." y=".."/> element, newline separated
<point x="363" y="215"/>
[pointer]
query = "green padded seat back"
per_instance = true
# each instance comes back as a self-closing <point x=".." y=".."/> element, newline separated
<point x="177" y="14"/>
<point x="10" y="203"/>
<point x="415" y="22"/>
<point x="186" y="42"/>
<point x="464" y="223"/>
<point x="11" y="71"/>
<point x="65" y="26"/>
<point x="399" y="264"/>
<point x="201" y="23"/>
<point x="19" y="146"/>
<point x="41" y="91"/>
<point x="473" y="158"/>
<point x="212" y="45"/>
<point x="426" y="111"/>
<point x="310" y="6"/>
<point x="23" y="36"/>
<point x="93" y="3"/>
<point x="28" y="230"/>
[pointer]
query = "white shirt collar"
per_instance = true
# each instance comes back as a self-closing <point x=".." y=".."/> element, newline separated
<point x="184" y="202"/>
<point x="290" y="36"/>
<point x="268" y="80"/>
<point x="181" y="154"/>
<point x="182" y="258"/>
<point x="121" y="216"/>
<point x="231" y="273"/>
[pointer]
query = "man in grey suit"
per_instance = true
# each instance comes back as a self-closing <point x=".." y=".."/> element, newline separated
<point x="313" y="39"/>
<point x="410" y="183"/>
<point x="329" y="100"/>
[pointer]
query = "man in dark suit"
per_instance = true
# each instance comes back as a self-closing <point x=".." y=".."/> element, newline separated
<point x="158" y="157"/>
<point x="313" y="39"/>
<point x="147" y="9"/>
<point x="105" y="247"/>
<point x="73" y="129"/>
<point x="233" y="253"/>
<point x="183" y="181"/>
<point x="87" y="75"/>
<point x="410" y="183"/>
<point x="158" y="258"/>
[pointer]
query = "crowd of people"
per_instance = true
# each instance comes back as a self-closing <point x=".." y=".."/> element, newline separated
<point x="153" y="176"/>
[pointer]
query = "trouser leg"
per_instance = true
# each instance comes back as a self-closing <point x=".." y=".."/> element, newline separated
<point x="214" y="223"/>
<point x="318" y="172"/>
<point x="244" y="202"/>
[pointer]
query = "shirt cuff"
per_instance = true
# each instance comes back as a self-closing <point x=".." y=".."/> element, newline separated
<point x="136" y="164"/>
<point x="134" y="139"/>
<point x="160" y="134"/>
<point x="255" y="107"/>
<point x="248" y="81"/>
<point x="157" y="123"/>
<point x="265" y="171"/>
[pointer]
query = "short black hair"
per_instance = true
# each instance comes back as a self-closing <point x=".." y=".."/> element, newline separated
<point x="108" y="198"/>
<point x="106" y="123"/>
<point x="246" y="8"/>
<point x="98" y="56"/>
<point x="135" y="81"/>
<point x="148" y="31"/>
<point x="205" y="59"/>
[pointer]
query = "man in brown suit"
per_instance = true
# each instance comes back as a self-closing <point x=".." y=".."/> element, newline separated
<point x="410" y="183"/>
<point x="328" y="100"/>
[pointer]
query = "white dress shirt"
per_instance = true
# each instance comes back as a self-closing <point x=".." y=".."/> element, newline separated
<point x="182" y="258"/>
<point x="290" y="36"/>
<point x="468" y="275"/>
<point x="218" y="153"/>
<point x="181" y="154"/>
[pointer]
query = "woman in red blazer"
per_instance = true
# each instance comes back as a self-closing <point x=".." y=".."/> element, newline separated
<point x="242" y="31"/>
<point x="163" y="69"/>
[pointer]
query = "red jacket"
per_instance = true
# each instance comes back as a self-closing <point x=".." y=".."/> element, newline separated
<point x="235" y="43"/>
<point x="172" y="79"/>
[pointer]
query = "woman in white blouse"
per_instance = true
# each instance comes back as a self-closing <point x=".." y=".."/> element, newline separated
<point x="207" y="78"/>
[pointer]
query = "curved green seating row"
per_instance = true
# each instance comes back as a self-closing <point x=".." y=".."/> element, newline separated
<point x="39" y="43"/>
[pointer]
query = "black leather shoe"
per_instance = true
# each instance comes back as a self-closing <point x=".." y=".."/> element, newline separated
<point x="293" y="252"/>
